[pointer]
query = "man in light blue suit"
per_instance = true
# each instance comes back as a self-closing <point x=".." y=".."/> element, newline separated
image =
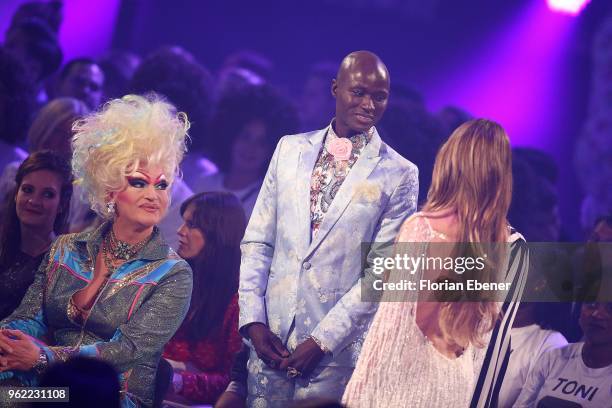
<point x="324" y="194"/>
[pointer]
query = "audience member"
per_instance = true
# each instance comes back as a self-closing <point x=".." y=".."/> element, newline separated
<point x="531" y="336"/>
<point x="35" y="212"/>
<point x="16" y="107"/>
<point x="174" y="73"/>
<point x="37" y="46"/>
<point x="450" y="117"/>
<point x="415" y="135"/>
<point x="592" y="158"/>
<point x="244" y="69"/>
<point x="316" y="101"/>
<point x="48" y="11"/>
<point x="119" y="68"/>
<point x="541" y="162"/>
<point x="83" y="79"/>
<point x="534" y="208"/>
<point x="579" y="374"/>
<point x="246" y="127"/>
<point x="52" y="126"/>
<point x="52" y="130"/>
<point x="203" y="349"/>
<point x="409" y="98"/>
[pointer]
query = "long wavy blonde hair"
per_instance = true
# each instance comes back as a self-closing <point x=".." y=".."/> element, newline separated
<point x="473" y="176"/>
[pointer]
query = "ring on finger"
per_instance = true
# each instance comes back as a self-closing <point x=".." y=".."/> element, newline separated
<point x="293" y="372"/>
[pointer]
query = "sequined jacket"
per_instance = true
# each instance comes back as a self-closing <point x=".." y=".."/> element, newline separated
<point x="136" y="312"/>
<point x="286" y="276"/>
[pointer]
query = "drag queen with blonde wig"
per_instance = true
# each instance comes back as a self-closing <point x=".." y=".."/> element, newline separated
<point x="118" y="293"/>
<point x="447" y="348"/>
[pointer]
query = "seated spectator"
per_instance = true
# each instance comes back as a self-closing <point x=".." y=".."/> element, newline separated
<point x="119" y="68"/>
<point x="38" y="48"/>
<point x="534" y="208"/>
<point x="52" y="130"/>
<point x="450" y="117"/>
<point x="203" y="349"/>
<point x="413" y="132"/>
<point x="244" y="68"/>
<point x="577" y="375"/>
<point x="83" y="79"/>
<point x="91" y="382"/>
<point x="316" y="101"/>
<point x="410" y="99"/>
<point x="174" y="73"/>
<point x="592" y="149"/>
<point x="530" y="338"/>
<point x="16" y="107"/>
<point x="34" y="214"/>
<point x="246" y="127"/>
<point x="48" y="11"/>
<point x="52" y="126"/>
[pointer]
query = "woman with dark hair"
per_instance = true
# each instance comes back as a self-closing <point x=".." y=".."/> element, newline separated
<point x="33" y="215"/>
<point x="246" y="126"/>
<point x="203" y="349"/>
<point x="51" y="129"/>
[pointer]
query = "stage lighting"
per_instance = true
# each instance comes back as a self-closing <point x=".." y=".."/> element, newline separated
<point x="573" y="7"/>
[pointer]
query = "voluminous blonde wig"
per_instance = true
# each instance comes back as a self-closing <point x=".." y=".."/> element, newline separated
<point x="127" y="133"/>
<point x="473" y="176"/>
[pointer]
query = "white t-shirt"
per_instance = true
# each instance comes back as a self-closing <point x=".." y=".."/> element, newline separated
<point x="561" y="379"/>
<point x="527" y="345"/>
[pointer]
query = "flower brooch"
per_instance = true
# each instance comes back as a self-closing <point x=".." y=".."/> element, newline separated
<point x="340" y="148"/>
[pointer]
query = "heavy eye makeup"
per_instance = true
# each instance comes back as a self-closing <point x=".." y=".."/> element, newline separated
<point x="138" y="182"/>
<point x="162" y="185"/>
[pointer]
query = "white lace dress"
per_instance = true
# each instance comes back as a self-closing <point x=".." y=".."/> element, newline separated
<point x="398" y="366"/>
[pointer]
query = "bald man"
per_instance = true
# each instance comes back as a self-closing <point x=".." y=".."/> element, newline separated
<point x="325" y="193"/>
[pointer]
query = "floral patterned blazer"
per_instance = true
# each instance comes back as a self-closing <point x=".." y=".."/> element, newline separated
<point x="137" y="311"/>
<point x="286" y="276"/>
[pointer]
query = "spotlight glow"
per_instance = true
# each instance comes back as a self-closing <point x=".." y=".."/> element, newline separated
<point x="573" y="7"/>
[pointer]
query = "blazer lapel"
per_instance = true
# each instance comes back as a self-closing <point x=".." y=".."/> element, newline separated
<point x="306" y="162"/>
<point x="362" y="168"/>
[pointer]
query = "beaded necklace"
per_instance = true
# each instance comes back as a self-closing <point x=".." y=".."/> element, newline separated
<point x="116" y="252"/>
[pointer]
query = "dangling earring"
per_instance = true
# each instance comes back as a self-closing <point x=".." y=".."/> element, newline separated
<point x="110" y="208"/>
